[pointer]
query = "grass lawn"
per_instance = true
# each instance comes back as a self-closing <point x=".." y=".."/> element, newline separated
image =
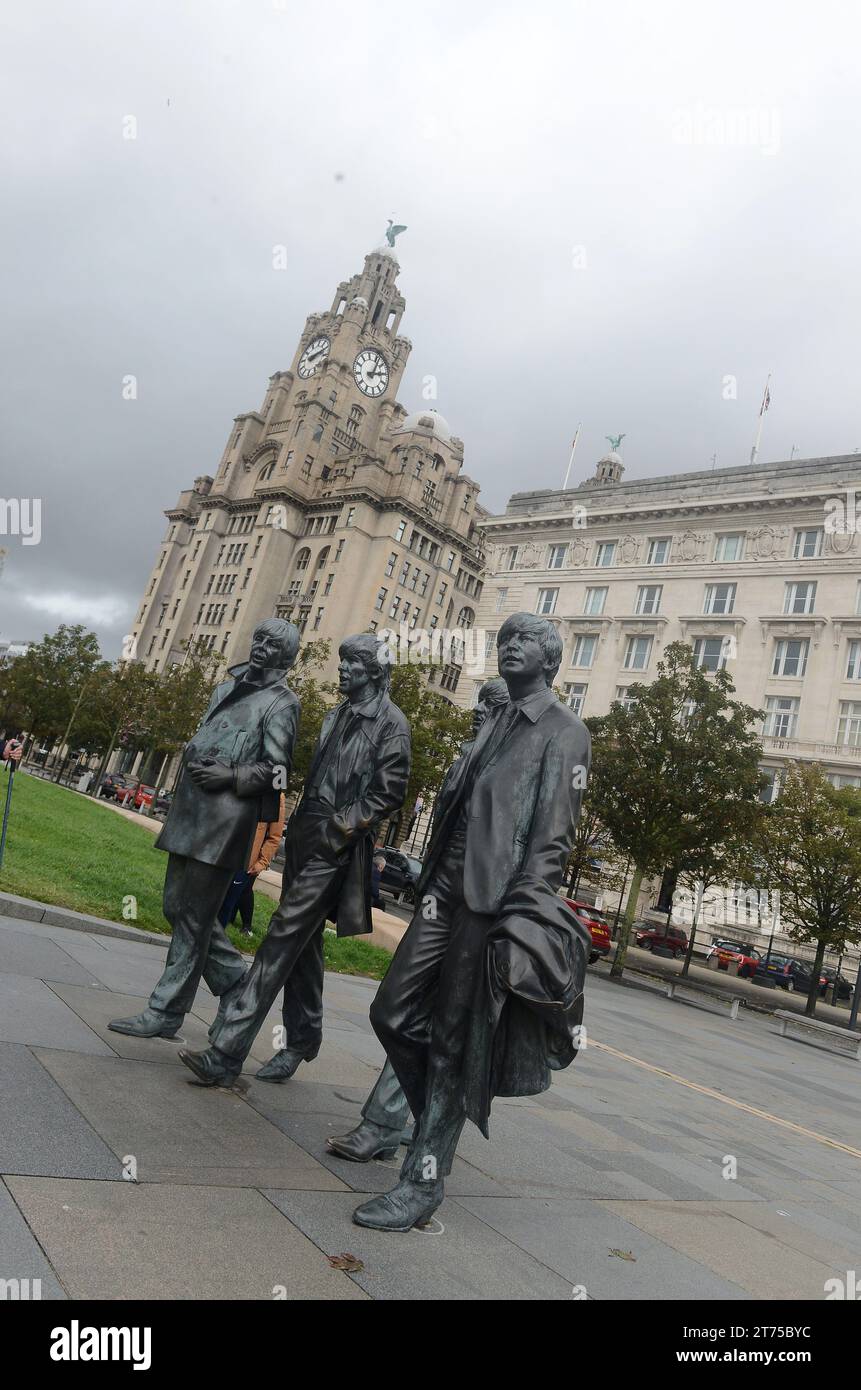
<point x="66" y="849"/>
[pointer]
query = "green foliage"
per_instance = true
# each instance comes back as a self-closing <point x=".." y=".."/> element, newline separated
<point x="39" y="690"/>
<point x="315" y="698"/>
<point x="675" y="772"/>
<point x="438" y="729"/>
<point x="809" y="840"/>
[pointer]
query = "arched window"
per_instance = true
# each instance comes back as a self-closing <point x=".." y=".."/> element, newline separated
<point x="302" y="558"/>
<point x="322" y="557"/>
<point x="465" y="618"/>
<point x="267" y="470"/>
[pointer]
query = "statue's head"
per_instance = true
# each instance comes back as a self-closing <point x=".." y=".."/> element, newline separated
<point x="360" y="664"/>
<point x="274" y="644"/>
<point x="491" y="694"/>
<point x="526" y="644"/>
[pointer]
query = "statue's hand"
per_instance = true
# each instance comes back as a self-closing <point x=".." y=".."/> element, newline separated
<point x="211" y="777"/>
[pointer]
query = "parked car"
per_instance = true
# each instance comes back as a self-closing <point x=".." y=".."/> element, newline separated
<point x="143" y="797"/>
<point x="791" y="973"/>
<point x="125" y="789"/>
<point x="401" y="873"/>
<point x="597" y="924"/>
<point x="656" y="936"/>
<point x="108" y="788"/>
<point x="163" y="803"/>
<point x="741" y="951"/>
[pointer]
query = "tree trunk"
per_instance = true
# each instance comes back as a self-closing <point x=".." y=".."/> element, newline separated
<point x="690" y="951"/>
<point x="625" y="927"/>
<point x="810" y="1006"/>
<point x="97" y="780"/>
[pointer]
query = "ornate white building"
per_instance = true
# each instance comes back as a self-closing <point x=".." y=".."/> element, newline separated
<point x="758" y="567"/>
<point x="331" y="504"/>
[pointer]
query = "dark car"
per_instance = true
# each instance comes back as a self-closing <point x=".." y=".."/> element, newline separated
<point x="597" y="925"/>
<point x="108" y="788"/>
<point x="791" y="973"/>
<point x="660" y="936"/>
<point x="401" y="873"/>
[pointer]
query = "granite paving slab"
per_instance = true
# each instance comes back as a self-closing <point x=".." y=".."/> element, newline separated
<point x="32" y="1013"/>
<point x="22" y="1258"/>
<point x="41" y="1131"/>
<point x="163" y="1241"/>
<point x="465" y="1259"/>
<point x="179" y="1132"/>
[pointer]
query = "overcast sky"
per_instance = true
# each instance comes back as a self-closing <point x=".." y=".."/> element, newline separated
<point x="612" y="209"/>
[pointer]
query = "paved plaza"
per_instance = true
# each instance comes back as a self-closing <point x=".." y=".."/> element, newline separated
<point x="610" y="1186"/>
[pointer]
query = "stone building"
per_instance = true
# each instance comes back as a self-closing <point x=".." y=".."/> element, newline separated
<point x="758" y="568"/>
<point x="332" y="505"/>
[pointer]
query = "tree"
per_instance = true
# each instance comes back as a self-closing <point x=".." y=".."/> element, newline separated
<point x="719" y="861"/>
<point x="315" y="698"/>
<point x="670" y="768"/>
<point x="45" y="687"/>
<point x="437" y="729"/>
<point x="810" y="839"/>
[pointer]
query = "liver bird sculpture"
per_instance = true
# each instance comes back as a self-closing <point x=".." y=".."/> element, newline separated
<point x="392" y="231"/>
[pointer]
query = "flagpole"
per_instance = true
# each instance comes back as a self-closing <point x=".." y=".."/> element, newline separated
<point x="571" y="459"/>
<point x="766" y="401"/>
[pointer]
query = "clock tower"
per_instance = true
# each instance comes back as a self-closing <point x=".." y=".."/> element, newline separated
<point x="331" y="505"/>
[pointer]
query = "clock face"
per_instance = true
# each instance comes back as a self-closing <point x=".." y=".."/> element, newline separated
<point x="314" y="356"/>
<point x="371" y="372"/>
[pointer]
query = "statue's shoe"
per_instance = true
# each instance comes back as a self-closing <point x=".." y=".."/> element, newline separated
<point x="282" y="1066"/>
<point x="149" y="1024"/>
<point x="224" y="1004"/>
<point x="365" y="1142"/>
<point x="407" y="1205"/>
<point x="207" y="1068"/>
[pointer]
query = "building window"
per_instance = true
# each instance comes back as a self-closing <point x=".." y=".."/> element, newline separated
<point x="401" y="531"/>
<point x="769" y="791"/>
<point x="465" y="618"/>
<point x="302" y="559"/>
<point x="390" y="564"/>
<point x="305" y="470"/>
<point x="624" y="697"/>
<point x="781" y="716"/>
<point x="405" y="571"/>
<point x="659" y="551"/>
<point x="710" y="654"/>
<point x="489" y="643"/>
<point x="605" y="554"/>
<point x="510" y="558"/>
<point x="808" y="544"/>
<point x="339" y="552"/>
<point x="574" y="695"/>
<point x="318" y="618"/>
<point x="423" y="587"/>
<point x="351" y="512"/>
<point x="547" y="600"/>
<point x="800" y="598"/>
<point x="853" y="666"/>
<point x="637" y="653"/>
<point x="720" y="598"/>
<point x="595" y="600"/>
<point x="729" y="547"/>
<point x="330" y="579"/>
<point x="450" y="677"/>
<point x="556" y="556"/>
<point x="790" y="657"/>
<point x="649" y="598"/>
<point x="584" y="650"/>
<point x="844" y="779"/>
<point x="396" y="603"/>
<point x="442" y="592"/>
<point x="501" y="596"/>
<point x="849" y="724"/>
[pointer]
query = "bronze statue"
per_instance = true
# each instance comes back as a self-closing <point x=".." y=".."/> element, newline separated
<point x="386" y="1110"/>
<point x="358" y="775"/>
<point x="484" y="994"/>
<point x="233" y="770"/>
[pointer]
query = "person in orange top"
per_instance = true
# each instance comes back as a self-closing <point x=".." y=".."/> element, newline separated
<point x="240" y="895"/>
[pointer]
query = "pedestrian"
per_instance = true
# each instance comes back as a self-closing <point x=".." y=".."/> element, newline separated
<point x="376" y="876"/>
<point x="240" y="895"/>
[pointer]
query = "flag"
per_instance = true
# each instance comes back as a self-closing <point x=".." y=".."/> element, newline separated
<point x="766" y="400"/>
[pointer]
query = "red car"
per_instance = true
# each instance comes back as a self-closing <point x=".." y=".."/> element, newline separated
<point x="599" y="927"/>
<point x="741" y="951"/>
<point x="652" y="936"/>
<point x="143" y="797"/>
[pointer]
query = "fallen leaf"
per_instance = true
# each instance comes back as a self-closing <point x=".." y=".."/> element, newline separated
<point x="624" y="1255"/>
<point x="346" y="1262"/>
